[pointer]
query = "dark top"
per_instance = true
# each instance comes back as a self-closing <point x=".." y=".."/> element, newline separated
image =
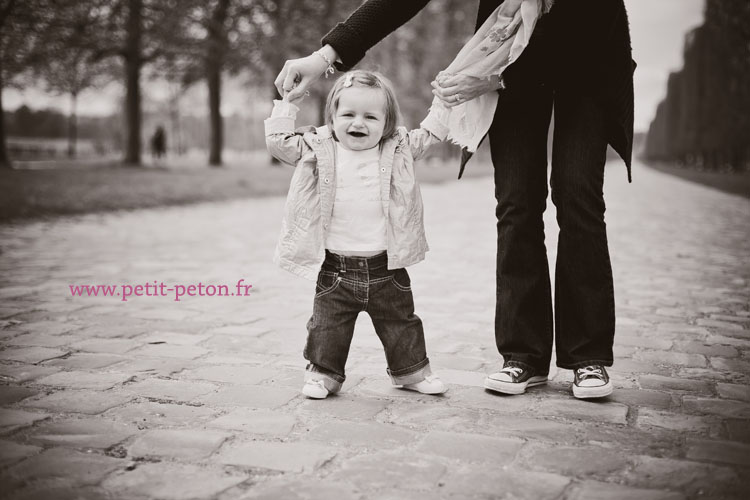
<point x="591" y="51"/>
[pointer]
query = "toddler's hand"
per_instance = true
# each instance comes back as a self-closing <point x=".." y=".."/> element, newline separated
<point x="295" y="97"/>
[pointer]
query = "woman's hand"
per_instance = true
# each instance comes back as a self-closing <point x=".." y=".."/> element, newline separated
<point x="458" y="89"/>
<point x="298" y="74"/>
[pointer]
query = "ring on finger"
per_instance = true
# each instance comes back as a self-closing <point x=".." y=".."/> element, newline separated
<point x="458" y="97"/>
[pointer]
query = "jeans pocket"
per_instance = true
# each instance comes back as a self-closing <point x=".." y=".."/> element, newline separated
<point x="401" y="280"/>
<point x="327" y="282"/>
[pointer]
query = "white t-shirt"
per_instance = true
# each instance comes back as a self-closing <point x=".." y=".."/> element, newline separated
<point x="357" y="225"/>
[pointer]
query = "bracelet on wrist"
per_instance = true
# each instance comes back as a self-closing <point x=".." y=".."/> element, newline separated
<point x="330" y="69"/>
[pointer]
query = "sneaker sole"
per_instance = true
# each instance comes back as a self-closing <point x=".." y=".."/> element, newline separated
<point x="313" y="396"/>
<point x="513" y="388"/>
<point x="431" y="393"/>
<point x="593" y="392"/>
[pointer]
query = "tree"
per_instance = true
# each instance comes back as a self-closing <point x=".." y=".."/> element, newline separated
<point x="20" y="23"/>
<point x="138" y="32"/>
<point x="68" y="66"/>
<point x="221" y="36"/>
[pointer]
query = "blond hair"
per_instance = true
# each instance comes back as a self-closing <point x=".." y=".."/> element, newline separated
<point x="368" y="79"/>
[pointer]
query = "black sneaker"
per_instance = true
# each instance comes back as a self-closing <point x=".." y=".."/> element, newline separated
<point x="513" y="379"/>
<point x="591" y="382"/>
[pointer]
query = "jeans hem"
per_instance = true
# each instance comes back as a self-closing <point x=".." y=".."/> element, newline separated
<point x="412" y="374"/>
<point x="331" y="381"/>
<point x="582" y="364"/>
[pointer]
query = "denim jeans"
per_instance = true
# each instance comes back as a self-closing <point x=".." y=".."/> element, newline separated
<point x="348" y="285"/>
<point x="584" y="296"/>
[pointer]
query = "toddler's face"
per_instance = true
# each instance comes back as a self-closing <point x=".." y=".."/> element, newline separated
<point x="360" y="118"/>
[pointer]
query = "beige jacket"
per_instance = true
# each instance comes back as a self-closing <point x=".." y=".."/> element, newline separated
<point x="309" y="204"/>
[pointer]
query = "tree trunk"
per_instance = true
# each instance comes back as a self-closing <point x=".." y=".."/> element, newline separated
<point x="4" y="160"/>
<point x="133" y="91"/>
<point x="72" y="126"/>
<point x="217" y="47"/>
<point x="214" y="104"/>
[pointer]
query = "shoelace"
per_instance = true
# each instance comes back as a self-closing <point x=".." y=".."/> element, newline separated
<point x="513" y="370"/>
<point x="430" y="378"/>
<point x="590" y="371"/>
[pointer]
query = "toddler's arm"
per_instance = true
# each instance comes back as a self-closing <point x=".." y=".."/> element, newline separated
<point x="432" y="130"/>
<point x="281" y="140"/>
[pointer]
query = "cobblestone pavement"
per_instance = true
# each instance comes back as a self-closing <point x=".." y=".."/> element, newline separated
<point x="198" y="398"/>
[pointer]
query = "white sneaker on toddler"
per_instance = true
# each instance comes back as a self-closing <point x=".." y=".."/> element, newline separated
<point x="430" y="385"/>
<point x="315" y="389"/>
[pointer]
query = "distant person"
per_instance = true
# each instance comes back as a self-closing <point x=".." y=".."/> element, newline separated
<point x="358" y="231"/>
<point x="159" y="143"/>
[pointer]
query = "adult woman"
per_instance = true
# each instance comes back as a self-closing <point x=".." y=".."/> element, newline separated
<point x="579" y="61"/>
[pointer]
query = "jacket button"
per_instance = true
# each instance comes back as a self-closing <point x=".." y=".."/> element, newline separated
<point x="382" y="169"/>
<point x="326" y="180"/>
<point x="325" y="226"/>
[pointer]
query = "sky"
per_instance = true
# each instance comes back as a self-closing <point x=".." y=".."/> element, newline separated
<point x="658" y="29"/>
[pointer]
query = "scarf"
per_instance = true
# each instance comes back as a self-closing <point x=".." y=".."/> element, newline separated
<point x="496" y="44"/>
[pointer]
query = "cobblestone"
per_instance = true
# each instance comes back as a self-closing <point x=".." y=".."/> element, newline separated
<point x="719" y="451"/>
<point x="261" y="422"/>
<point x="250" y="396"/>
<point x="471" y="447"/>
<point x="152" y="399"/>
<point x="84" y="361"/>
<point x="81" y="433"/>
<point x="491" y="481"/>
<point x="180" y="444"/>
<point x="31" y="354"/>
<point x="374" y="472"/>
<point x="721" y="407"/>
<point x="79" y="401"/>
<point x="11" y="452"/>
<point x="673" y="421"/>
<point x="287" y="457"/>
<point x="674" y="384"/>
<point x="175" y="390"/>
<point x="734" y="391"/>
<point x="575" y="461"/>
<point x="697" y="479"/>
<point x="12" y="394"/>
<point x="593" y="490"/>
<point x="370" y="434"/>
<point x="83" y="468"/>
<point x="84" y="380"/>
<point x="11" y="420"/>
<point x="171" y="482"/>
<point x="613" y="413"/>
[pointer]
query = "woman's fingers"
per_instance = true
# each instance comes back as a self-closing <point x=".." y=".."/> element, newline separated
<point x="279" y="82"/>
<point x="449" y="101"/>
<point x="452" y="81"/>
<point x="292" y="75"/>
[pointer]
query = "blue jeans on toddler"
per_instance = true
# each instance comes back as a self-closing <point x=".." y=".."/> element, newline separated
<point x="346" y="286"/>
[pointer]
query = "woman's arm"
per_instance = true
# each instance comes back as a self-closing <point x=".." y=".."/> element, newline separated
<point x="457" y="89"/>
<point x="366" y="26"/>
<point x="347" y="42"/>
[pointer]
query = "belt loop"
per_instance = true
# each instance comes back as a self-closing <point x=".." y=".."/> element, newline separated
<point x="342" y="263"/>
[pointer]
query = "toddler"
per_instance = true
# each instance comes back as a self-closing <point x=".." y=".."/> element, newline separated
<point x="353" y="221"/>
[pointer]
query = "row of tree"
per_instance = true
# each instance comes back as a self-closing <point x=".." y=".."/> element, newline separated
<point x="241" y="132"/>
<point x="71" y="46"/>
<point x="705" y="118"/>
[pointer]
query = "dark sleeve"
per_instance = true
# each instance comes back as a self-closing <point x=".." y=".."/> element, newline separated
<point x="366" y="26"/>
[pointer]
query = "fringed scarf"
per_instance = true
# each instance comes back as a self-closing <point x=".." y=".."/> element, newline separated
<point x="499" y="42"/>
